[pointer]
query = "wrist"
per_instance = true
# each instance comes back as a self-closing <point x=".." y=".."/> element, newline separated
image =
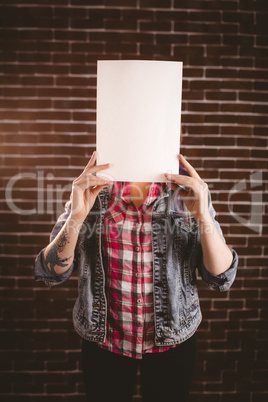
<point x="203" y="219"/>
<point x="206" y="224"/>
<point x="74" y="223"/>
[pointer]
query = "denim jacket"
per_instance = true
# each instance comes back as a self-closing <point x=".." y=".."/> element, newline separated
<point x="177" y="253"/>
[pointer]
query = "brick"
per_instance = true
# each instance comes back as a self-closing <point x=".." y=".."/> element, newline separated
<point x="208" y="39"/>
<point x="252" y="73"/>
<point x="155" y="3"/>
<point x="261" y="63"/>
<point x="221" y="50"/>
<point x="260" y="86"/>
<point x="237" y="62"/>
<point x="34" y="35"/>
<point x="72" y="81"/>
<point x="236" y="107"/>
<point x="204" y="16"/>
<point x="261" y="40"/>
<point x="51" y="92"/>
<point x="165" y="39"/>
<point x="211" y="28"/>
<point x="205" y="84"/>
<point x="117" y="24"/>
<point x="71" y="35"/>
<point x="253" y="51"/>
<point x="69" y="58"/>
<point x="70" y="127"/>
<point x="225" y="118"/>
<point x="89" y="23"/>
<point x="156" y="26"/>
<point x="203" y="107"/>
<point x="74" y="104"/>
<point x="260" y="131"/>
<point x="192" y="72"/>
<point x="238" y="40"/>
<point x="244" y="85"/>
<point x="9" y="80"/>
<point x="36" y="81"/>
<point x="85" y="2"/>
<point x="165" y="16"/>
<point x="237" y="130"/>
<point x="34" y="127"/>
<point x="121" y="48"/>
<point x="18" y="46"/>
<point x="34" y="57"/>
<point x="253" y="96"/>
<point x="192" y="95"/>
<point x="84" y="116"/>
<point x="221" y="73"/>
<point x="17" y="91"/>
<point x="260" y="27"/>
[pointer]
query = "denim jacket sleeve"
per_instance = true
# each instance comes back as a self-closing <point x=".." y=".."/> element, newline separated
<point x="41" y="270"/>
<point x="225" y="280"/>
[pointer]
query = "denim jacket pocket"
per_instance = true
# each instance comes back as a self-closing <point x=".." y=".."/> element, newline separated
<point x="185" y="232"/>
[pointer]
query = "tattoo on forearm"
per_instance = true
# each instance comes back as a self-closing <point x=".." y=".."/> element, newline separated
<point x="52" y="257"/>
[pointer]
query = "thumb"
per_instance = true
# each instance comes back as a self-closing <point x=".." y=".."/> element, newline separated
<point x="178" y="189"/>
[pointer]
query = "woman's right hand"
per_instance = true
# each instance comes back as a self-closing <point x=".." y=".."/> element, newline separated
<point x="86" y="188"/>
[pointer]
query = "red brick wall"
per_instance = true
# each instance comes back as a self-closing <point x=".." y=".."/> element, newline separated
<point x="48" y="59"/>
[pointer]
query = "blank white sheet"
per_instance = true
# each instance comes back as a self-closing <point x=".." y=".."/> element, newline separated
<point x="138" y="118"/>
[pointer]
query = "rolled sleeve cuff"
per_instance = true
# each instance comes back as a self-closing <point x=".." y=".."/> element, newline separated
<point x="43" y="273"/>
<point x="224" y="281"/>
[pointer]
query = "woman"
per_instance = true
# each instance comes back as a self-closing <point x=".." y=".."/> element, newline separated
<point x="137" y="247"/>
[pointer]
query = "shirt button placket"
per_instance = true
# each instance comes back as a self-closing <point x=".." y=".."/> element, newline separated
<point x="138" y="275"/>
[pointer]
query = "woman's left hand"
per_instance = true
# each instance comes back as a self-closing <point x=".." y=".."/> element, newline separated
<point x="195" y="196"/>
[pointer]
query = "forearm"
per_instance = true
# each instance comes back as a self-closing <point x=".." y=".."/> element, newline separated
<point x="217" y="257"/>
<point x="59" y="254"/>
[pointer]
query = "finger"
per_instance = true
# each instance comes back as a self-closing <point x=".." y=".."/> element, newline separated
<point x="95" y="191"/>
<point x="197" y="186"/>
<point x="93" y="181"/>
<point x="190" y="169"/>
<point x="90" y="181"/>
<point x="89" y="170"/>
<point x="92" y="160"/>
<point x="90" y="163"/>
<point x="83" y="184"/>
<point x="180" y="179"/>
<point x="98" y="168"/>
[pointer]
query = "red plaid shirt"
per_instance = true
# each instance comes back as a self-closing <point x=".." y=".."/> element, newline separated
<point x="129" y="273"/>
